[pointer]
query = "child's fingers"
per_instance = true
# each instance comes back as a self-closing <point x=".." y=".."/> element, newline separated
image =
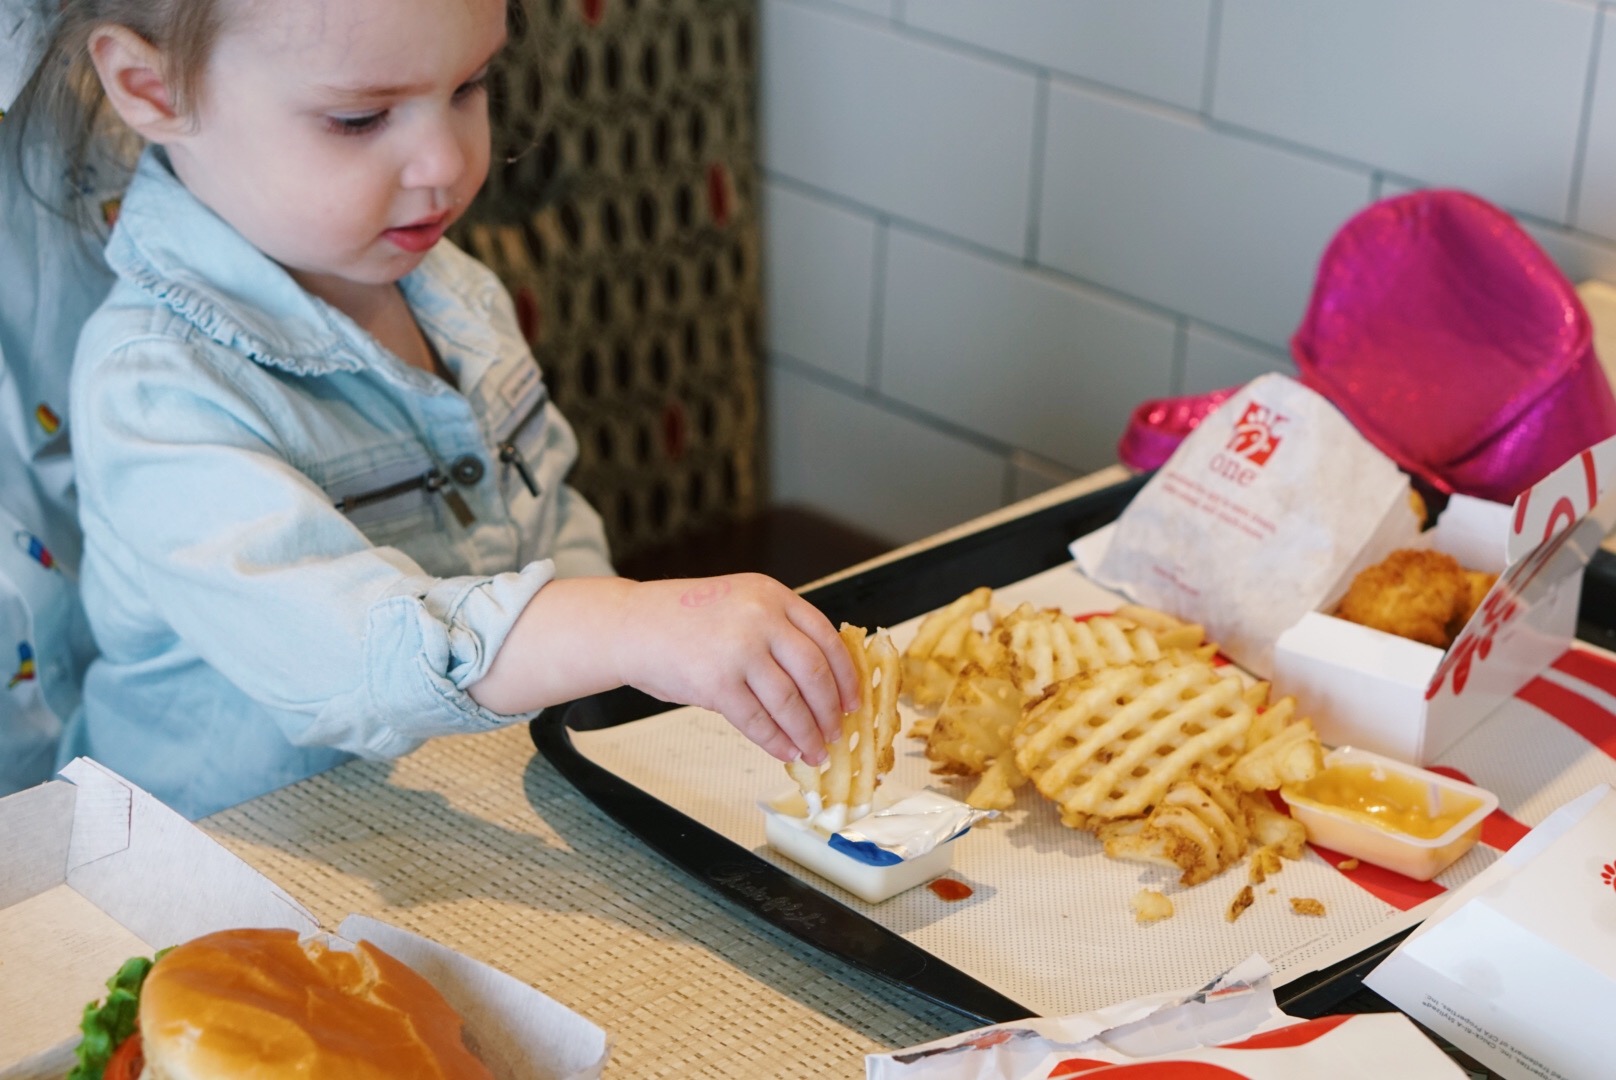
<point x="808" y="667"/>
<point x="748" y="716"/>
<point x="775" y="689"/>
<point x="811" y="621"/>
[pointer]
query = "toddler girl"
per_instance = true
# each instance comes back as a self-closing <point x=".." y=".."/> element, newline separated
<point x="321" y="484"/>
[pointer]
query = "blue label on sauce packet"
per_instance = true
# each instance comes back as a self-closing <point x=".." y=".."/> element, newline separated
<point x="907" y="829"/>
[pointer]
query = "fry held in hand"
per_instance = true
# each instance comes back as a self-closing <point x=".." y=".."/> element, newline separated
<point x="843" y="787"/>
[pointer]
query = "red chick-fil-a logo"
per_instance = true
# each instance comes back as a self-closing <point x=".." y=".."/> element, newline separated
<point x="1251" y="444"/>
<point x="1256" y="434"/>
<point x="1608" y="874"/>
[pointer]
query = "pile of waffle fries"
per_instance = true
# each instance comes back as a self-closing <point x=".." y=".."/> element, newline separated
<point x="1124" y="721"/>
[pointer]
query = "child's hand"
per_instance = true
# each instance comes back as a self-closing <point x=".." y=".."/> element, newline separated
<point x="745" y="646"/>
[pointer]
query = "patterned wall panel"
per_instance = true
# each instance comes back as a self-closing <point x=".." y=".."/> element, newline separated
<point x="621" y="212"/>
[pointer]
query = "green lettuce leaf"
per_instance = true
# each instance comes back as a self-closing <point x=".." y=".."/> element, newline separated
<point x="108" y="1023"/>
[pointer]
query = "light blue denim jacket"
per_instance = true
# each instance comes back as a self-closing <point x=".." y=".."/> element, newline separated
<point x="51" y="279"/>
<point x="297" y="547"/>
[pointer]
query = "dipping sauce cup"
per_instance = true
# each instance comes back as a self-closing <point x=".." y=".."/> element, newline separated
<point x="1383" y="811"/>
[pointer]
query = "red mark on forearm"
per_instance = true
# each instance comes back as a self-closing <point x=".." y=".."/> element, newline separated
<point x="705" y="592"/>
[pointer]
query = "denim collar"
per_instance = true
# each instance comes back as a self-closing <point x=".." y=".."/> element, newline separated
<point x="173" y="248"/>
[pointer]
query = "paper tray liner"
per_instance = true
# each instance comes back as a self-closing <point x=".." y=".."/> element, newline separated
<point x="1049" y="922"/>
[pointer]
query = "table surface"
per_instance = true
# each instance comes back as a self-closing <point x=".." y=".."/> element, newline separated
<point x="477" y="842"/>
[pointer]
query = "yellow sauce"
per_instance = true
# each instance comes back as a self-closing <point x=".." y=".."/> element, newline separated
<point x="1389" y="800"/>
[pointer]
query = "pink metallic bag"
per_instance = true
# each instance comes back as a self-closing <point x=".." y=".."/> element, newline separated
<point x="1450" y="340"/>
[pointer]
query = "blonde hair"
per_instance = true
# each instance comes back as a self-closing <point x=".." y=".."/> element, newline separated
<point x="65" y="92"/>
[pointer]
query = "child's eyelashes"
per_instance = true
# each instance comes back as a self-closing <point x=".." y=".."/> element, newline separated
<point x="369" y="123"/>
<point x="364" y="124"/>
<point x="472" y="86"/>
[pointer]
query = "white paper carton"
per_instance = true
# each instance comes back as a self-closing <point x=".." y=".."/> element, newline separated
<point x="95" y="871"/>
<point x="1518" y="967"/>
<point x="1411" y="701"/>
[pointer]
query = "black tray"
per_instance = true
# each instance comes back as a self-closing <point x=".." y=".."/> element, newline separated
<point x="886" y="595"/>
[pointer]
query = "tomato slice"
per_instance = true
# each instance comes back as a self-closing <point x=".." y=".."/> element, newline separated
<point x="128" y="1061"/>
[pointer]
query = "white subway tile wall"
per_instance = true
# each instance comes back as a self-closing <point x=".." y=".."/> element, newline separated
<point x="1213" y="360"/>
<point x="1057" y="392"/>
<point x="1154" y="48"/>
<point x="1482" y="94"/>
<point x="819" y="282"/>
<point x="993" y="228"/>
<point x="882" y="471"/>
<point x="898" y="124"/>
<point x="1596" y="209"/>
<point x="1187" y="216"/>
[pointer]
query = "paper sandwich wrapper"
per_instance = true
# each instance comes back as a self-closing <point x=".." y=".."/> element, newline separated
<point x="1263" y="593"/>
<point x="1517" y="968"/>
<point x="1230" y="1028"/>
<point x="95" y="870"/>
<point x="1262" y="514"/>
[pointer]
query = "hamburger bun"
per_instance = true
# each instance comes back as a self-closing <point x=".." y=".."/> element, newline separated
<point x="264" y="1005"/>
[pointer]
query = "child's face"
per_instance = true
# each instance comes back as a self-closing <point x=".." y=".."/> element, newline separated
<point x="341" y="137"/>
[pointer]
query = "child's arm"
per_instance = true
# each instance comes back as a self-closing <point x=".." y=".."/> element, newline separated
<point x="742" y="645"/>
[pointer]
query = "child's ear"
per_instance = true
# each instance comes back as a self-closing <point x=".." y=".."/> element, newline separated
<point x="131" y="72"/>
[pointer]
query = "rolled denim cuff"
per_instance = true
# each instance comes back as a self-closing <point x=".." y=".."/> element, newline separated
<point x="425" y="648"/>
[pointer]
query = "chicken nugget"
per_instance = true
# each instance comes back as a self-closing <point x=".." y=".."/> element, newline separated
<point x="1480" y="584"/>
<point x="1412" y="593"/>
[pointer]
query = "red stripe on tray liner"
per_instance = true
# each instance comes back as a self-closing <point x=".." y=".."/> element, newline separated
<point x="1588" y="719"/>
<point x="1596" y="669"/>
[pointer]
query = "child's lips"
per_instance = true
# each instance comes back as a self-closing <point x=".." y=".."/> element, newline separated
<point x="420" y="236"/>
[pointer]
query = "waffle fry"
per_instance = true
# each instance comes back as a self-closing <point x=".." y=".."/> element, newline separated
<point x="1265" y="861"/>
<point x="1043" y="646"/>
<point x="844" y="785"/>
<point x="1199" y="826"/>
<point x="1047" y="646"/>
<point x="973" y="726"/>
<point x="970" y="736"/>
<point x="1283" y="754"/>
<point x="1112" y="744"/>
<point x="1170" y="631"/>
<point x="1270" y="828"/>
<point x="944" y="642"/>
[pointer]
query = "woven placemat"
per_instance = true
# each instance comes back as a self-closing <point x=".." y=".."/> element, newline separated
<point x="477" y="842"/>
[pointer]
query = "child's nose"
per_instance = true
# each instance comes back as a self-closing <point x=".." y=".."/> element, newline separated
<point x="437" y="158"/>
